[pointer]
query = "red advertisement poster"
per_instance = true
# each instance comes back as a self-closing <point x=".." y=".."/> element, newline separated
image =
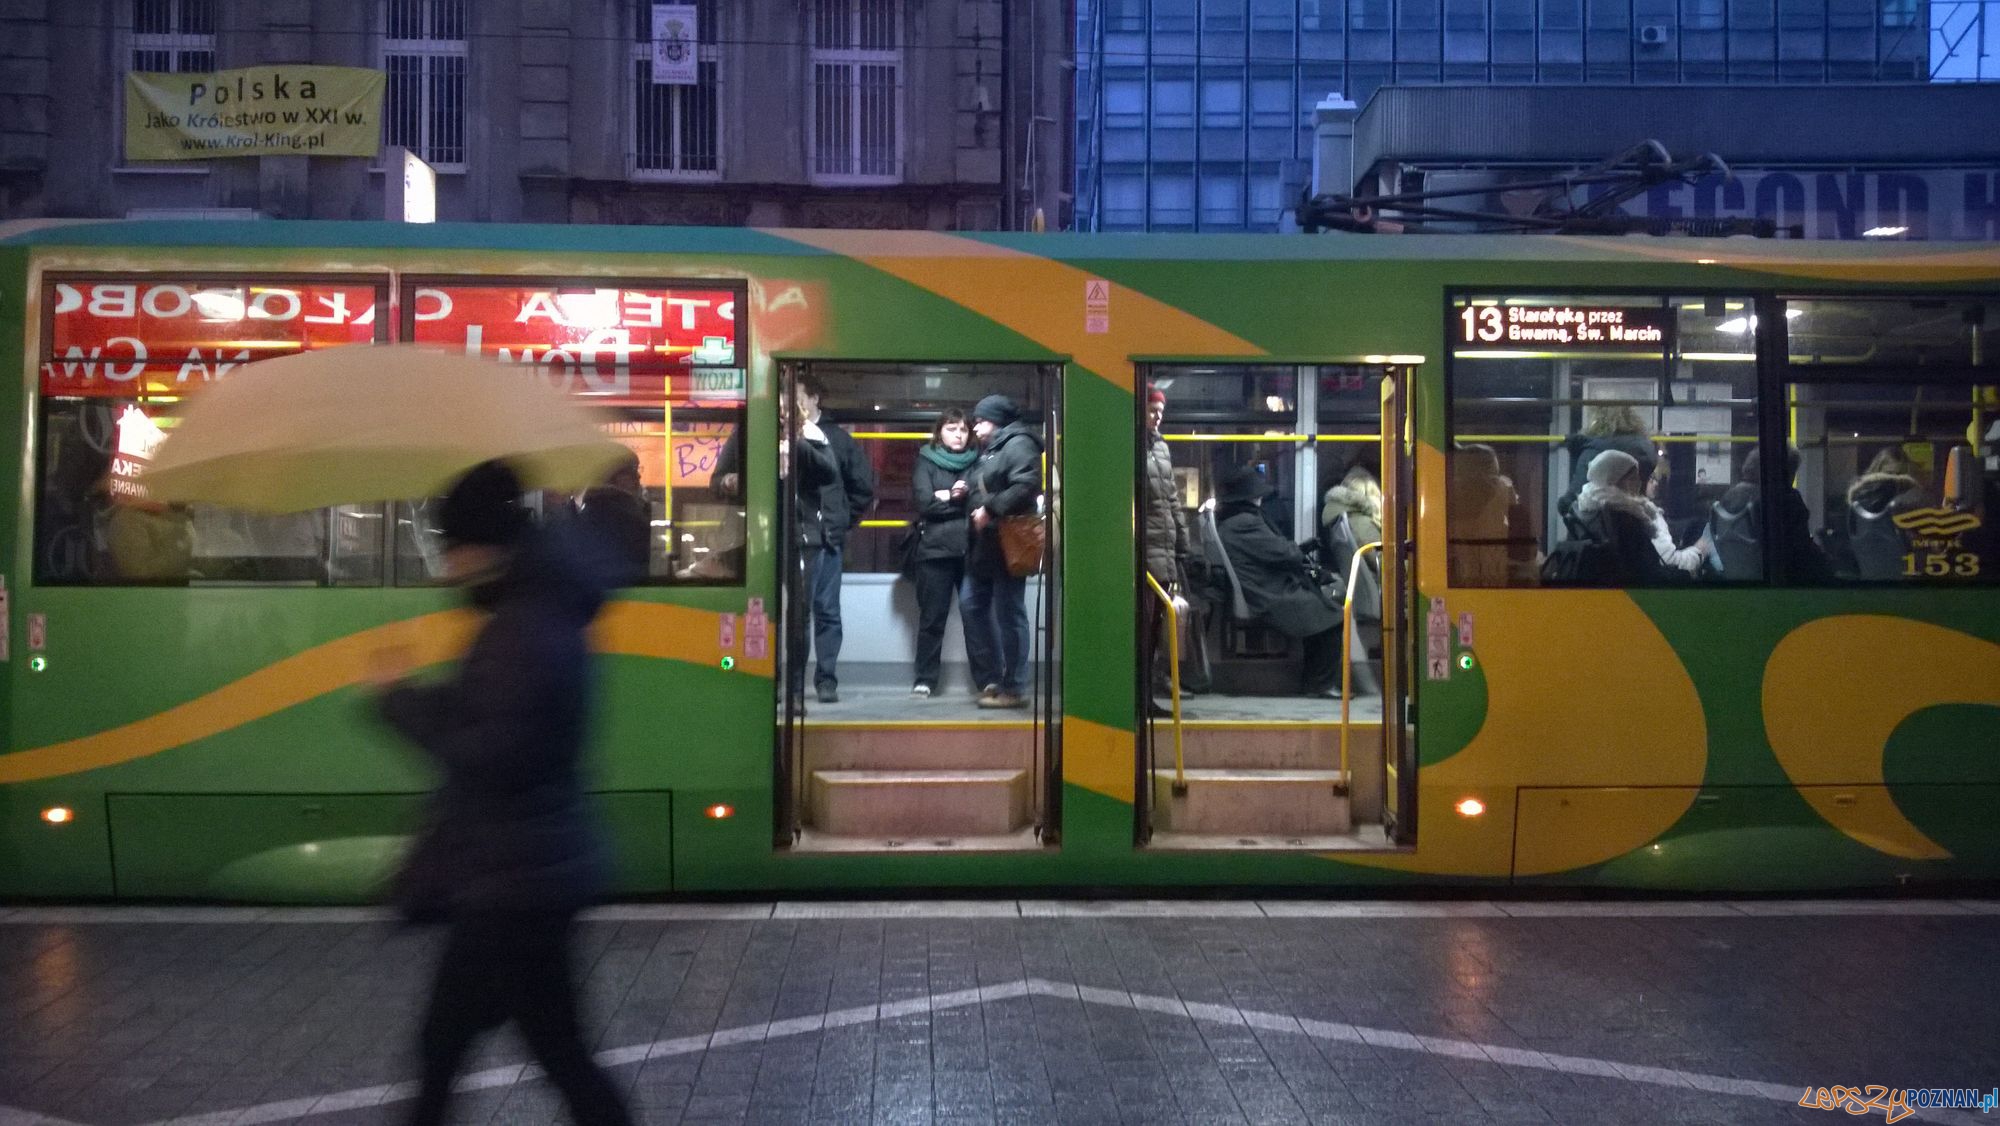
<point x="615" y="343"/>
<point x="124" y="339"/>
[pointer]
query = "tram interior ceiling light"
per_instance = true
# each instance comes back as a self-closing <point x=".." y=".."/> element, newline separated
<point x="1884" y="232"/>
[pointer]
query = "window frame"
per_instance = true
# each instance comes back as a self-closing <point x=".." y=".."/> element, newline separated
<point x="1784" y="372"/>
<point x="1775" y="371"/>
<point x="42" y="352"/>
<point x="129" y="42"/>
<point x="1771" y="478"/>
<point x="853" y="60"/>
<point x="708" y="55"/>
<point x="426" y="50"/>
<point x="739" y="287"/>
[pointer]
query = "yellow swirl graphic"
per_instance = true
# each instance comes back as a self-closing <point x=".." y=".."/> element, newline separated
<point x="1039" y="298"/>
<point x="1936" y="521"/>
<point x="631" y="629"/>
<point x="1836" y="689"/>
<point x="1566" y="707"/>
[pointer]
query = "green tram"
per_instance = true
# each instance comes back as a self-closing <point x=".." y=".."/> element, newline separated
<point x="1807" y="701"/>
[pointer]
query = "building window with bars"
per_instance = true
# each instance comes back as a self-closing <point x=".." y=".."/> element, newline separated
<point x="173" y="35"/>
<point x="857" y="90"/>
<point x="674" y="130"/>
<point x="423" y="54"/>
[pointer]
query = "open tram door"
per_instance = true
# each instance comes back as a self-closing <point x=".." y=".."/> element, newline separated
<point x="901" y="729"/>
<point x="1273" y="685"/>
<point x="1399" y="497"/>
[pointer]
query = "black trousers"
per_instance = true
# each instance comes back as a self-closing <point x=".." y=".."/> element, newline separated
<point x="502" y="967"/>
<point x="1322" y="670"/>
<point x="938" y="581"/>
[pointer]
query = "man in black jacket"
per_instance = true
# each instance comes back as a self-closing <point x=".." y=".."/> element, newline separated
<point x="825" y="514"/>
<point x="841" y="506"/>
<point x="507" y="854"/>
<point x="1005" y="482"/>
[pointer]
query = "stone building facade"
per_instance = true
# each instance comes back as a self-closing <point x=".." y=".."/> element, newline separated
<point x="939" y="114"/>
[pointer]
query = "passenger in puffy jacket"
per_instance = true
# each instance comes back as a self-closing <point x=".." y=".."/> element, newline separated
<point x="507" y="853"/>
<point x="1888" y="487"/>
<point x="939" y="490"/>
<point x="1006" y="481"/>
<point x="1613" y="501"/>
<point x="1607" y="428"/>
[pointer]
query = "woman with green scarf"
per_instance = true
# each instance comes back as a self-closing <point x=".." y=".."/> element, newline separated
<point x="938" y="489"/>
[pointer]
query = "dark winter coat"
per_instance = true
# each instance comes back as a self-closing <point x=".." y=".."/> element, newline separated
<point x="829" y="508"/>
<point x="1276" y="579"/>
<point x="1165" y="525"/>
<point x="623" y="525"/>
<point x="1736" y="527"/>
<point x="845" y="501"/>
<point x="817" y="469"/>
<point x="1005" y="482"/>
<point x="508" y="828"/>
<point x="942" y="527"/>
<point x="1625" y="521"/>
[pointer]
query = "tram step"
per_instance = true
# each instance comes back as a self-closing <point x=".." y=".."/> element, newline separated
<point x="887" y="803"/>
<point x="905" y="747"/>
<point x="1251" y="802"/>
<point x="1267" y="747"/>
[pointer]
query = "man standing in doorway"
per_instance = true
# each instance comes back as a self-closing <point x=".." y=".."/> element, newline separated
<point x="1006" y="481"/>
<point x="841" y="504"/>
<point x="1166" y="532"/>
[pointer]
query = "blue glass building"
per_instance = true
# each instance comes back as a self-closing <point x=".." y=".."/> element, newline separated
<point x="1196" y="114"/>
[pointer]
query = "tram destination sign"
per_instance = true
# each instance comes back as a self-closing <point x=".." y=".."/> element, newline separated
<point x="1592" y="328"/>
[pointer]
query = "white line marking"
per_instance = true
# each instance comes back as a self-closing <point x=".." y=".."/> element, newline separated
<point x="15" y="1116"/>
<point x="1385" y="1038"/>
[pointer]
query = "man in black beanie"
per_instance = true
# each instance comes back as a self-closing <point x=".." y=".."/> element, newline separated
<point x="507" y="854"/>
<point x="1005" y="481"/>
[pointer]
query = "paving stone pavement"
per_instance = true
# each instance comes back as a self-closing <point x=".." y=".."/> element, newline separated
<point x="1051" y="1012"/>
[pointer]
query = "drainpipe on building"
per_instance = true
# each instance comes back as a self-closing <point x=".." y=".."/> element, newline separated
<point x="1008" y="119"/>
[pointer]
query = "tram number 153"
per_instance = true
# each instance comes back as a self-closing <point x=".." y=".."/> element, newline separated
<point x="1941" y="564"/>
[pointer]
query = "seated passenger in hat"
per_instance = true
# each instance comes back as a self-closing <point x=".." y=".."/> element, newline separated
<point x="1278" y="582"/>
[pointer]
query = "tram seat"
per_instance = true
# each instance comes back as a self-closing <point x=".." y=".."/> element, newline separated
<point x="1243" y="635"/>
<point x="1211" y="546"/>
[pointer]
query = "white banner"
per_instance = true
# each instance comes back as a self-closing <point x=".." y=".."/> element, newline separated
<point x="675" y="48"/>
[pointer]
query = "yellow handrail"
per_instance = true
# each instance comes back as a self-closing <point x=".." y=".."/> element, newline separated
<point x="1173" y="678"/>
<point x="1346" y="641"/>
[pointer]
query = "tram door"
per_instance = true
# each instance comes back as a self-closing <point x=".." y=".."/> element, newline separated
<point x="1286" y="613"/>
<point x="918" y="674"/>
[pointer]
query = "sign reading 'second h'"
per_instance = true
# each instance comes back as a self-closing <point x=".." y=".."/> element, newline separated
<point x="256" y="111"/>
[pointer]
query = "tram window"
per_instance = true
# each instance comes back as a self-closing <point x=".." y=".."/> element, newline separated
<point x="1900" y="482"/>
<point x="662" y="360"/>
<point x="1904" y="333"/>
<point x="891" y="410"/>
<point x="1215" y="419"/>
<point x="1349" y="440"/>
<point x="1541" y="386"/>
<point x="94" y="527"/>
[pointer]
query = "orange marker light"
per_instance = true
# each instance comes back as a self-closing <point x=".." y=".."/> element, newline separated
<point x="718" y="811"/>
<point x="58" y="815"/>
<point x="1470" y="807"/>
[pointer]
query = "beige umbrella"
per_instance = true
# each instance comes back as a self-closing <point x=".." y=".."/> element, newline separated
<point x="357" y="424"/>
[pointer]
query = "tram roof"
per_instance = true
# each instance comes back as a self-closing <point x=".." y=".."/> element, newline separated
<point x="1961" y="258"/>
